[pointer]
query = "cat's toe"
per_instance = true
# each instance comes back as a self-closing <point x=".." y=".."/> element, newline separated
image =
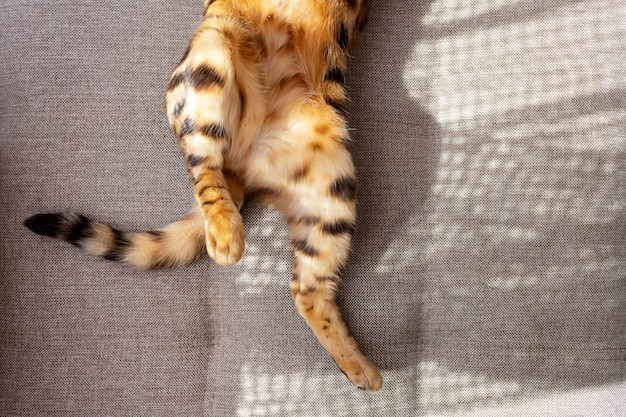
<point x="225" y="239"/>
<point x="364" y="375"/>
<point x="374" y="380"/>
<point x="369" y="380"/>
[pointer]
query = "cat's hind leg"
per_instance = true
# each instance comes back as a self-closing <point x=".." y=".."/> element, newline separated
<point x="321" y="243"/>
<point x="204" y="106"/>
<point x="318" y="199"/>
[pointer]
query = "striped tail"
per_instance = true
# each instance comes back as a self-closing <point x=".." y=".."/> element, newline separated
<point x="178" y="243"/>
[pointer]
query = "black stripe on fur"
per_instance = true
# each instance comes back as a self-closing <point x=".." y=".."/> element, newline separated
<point x="71" y="228"/>
<point x="118" y="248"/>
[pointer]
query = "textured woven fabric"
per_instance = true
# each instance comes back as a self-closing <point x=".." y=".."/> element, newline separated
<point x="488" y="276"/>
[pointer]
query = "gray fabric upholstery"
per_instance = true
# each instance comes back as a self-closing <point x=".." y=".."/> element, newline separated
<point x="489" y="266"/>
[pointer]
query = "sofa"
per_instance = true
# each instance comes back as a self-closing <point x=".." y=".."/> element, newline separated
<point x="488" y="271"/>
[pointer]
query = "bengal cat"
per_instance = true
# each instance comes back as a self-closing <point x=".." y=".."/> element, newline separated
<point x="257" y="104"/>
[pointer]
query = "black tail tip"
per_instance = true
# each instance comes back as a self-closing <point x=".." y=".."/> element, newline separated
<point x="45" y="224"/>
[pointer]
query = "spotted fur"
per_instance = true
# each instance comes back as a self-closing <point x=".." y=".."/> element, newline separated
<point x="258" y="106"/>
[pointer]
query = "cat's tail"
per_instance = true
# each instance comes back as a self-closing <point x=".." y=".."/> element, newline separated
<point x="178" y="243"/>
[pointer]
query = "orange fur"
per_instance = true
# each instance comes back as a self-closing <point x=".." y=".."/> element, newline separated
<point x="257" y="106"/>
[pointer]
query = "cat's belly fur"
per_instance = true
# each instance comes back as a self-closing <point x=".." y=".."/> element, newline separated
<point x="276" y="138"/>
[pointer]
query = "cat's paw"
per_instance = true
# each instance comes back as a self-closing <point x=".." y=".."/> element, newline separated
<point x="225" y="237"/>
<point x="362" y="373"/>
